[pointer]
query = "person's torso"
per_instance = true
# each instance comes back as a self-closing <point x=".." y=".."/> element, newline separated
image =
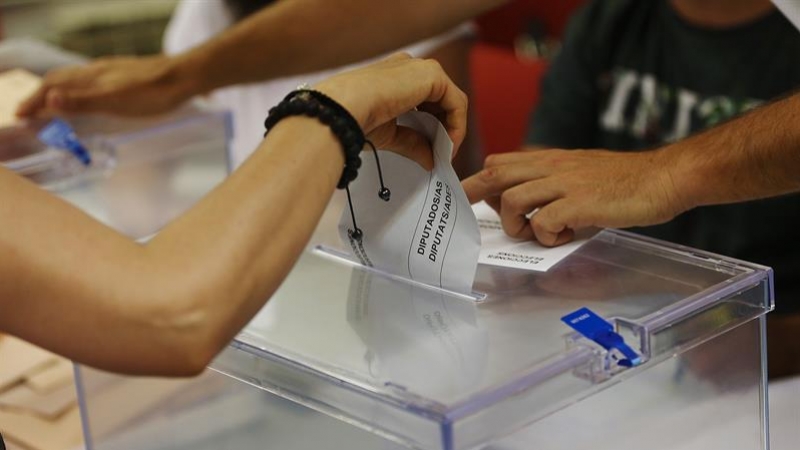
<point x="662" y="79"/>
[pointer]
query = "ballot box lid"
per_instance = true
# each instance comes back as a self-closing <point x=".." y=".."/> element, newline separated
<point x="109" y="141"/>
<point x="438" y="370"/>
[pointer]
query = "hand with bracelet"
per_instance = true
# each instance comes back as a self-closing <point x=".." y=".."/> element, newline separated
<point x="176" y="301"/>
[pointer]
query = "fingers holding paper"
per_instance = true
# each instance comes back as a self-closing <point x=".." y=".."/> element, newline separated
<point x="377" y="94"/>
<point x="550" y="194"/>
<point x="403" y="141"/>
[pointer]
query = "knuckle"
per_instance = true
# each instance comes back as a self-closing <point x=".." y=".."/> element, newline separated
<point x="536" y="224"/>
<point x="491" y="161"/>
<point x="510" y="200"/>
<point x="490" y="175"/>
<point x="546" y="220"/>
<point x="433" y="64"/>
<point x="544" y="235"/>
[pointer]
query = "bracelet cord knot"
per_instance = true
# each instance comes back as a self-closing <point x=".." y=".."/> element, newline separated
<point x="315" y="104"/>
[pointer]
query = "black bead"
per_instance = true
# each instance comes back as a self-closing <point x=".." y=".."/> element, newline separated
<point x="356" y="234"/>
<point x="326" y="115"/>
<point x="294" y="108"/>
<point x="338" y="128"/>
<point x="385" y="194"/>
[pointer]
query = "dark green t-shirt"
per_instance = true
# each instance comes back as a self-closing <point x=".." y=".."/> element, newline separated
<point x="632" y="74"/>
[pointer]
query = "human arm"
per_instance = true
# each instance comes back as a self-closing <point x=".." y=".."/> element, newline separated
<point x="167" y="307"/>
<point x="287" y="38"/>
<point x="754" y="156"/>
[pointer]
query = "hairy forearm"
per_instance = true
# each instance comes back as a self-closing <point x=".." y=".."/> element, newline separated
<point x="300" y="36"/>
<point x="166" y="307"/>
<point x="754" y="156"/>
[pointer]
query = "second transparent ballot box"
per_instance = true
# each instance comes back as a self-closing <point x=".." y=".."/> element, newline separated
<point x="342" y="353"/>
<point x="143" y="172"/>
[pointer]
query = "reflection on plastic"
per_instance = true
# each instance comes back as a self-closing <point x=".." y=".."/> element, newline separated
<point x="60" y="135"/>
<point x="594" y="327"/>
<point x="401" y="322"/>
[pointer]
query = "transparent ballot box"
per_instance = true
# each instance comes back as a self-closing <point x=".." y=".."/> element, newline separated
<point x="343" y="356"/>
<point x="143" y="171"/>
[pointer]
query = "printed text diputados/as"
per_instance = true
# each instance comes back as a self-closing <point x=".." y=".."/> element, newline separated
<point x="436" y="222"/>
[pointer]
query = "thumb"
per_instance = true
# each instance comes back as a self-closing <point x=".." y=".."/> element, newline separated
<point x="412" y="145"/>
<point x="550" y="224"/>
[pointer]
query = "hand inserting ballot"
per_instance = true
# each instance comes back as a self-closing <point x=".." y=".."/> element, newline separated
<point x="176" y="301"/>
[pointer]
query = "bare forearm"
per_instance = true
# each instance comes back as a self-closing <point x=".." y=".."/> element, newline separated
<point x="754" y="156"/>
<point x="262" y="218"/>
<point x="77" y="287"/>
<point x="169" y="306"/>
<point x="299" y="36"/>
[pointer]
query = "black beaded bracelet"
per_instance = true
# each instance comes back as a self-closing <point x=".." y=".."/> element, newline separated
<point x="305" y="102"/>
<point x="343" y="125"/>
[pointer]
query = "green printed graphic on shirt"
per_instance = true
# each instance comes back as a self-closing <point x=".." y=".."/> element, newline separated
<point x="643" y="107"/>
<point x="632" y="74"/>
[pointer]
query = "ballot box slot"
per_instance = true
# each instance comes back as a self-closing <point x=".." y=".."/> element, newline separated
<point x="345" y="258"/>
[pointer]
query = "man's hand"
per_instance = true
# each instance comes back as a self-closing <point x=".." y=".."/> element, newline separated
<point x="576" y="189"/>
<point x="123" y="86"/>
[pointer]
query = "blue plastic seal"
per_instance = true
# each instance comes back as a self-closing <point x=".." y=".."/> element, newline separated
<point x="594" y="327"/>
<point x="59" y="134"/>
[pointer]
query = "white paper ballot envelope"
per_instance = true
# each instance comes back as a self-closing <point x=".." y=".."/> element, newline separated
<point x="15" y="86"/>
<point x="790" y="9"/>
<point x="500" y="250"/>
<point x="427" y="231"/>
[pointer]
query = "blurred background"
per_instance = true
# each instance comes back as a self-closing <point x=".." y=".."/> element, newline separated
<point x="514" y="46"/>
<point x="90" y="27"/>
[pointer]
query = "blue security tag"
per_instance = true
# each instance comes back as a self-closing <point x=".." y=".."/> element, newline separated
<point x="594" y="327"/>
<point x="59" y="134"/>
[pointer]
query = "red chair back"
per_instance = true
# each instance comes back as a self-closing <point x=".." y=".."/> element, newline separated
<point x="504" y="92"/>
<point x="505" y="89"/>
